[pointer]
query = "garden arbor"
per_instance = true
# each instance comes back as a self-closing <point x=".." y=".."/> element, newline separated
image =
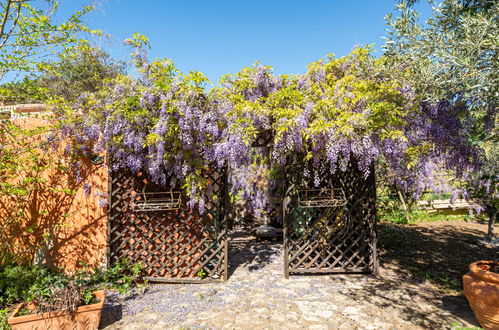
<point x="169" y="140"/>
<point x="329" y="229"/>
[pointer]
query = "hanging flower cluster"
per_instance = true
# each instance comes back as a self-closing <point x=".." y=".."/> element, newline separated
<point x="162" y="124"/>
<point x="341" y="110"/>
<point x="167" y="125"/>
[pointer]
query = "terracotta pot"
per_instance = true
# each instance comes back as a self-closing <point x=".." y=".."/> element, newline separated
<point x="481" y="288"/>
<point x="84" y="318"/>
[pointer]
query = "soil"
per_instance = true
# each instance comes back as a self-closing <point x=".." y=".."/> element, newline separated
<point x="419" y="287"/>
<point x="439" y="251"/>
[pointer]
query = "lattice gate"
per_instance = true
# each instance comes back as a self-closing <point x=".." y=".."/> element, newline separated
<point x="155" y="227"/>
<point x="331" y="229"/>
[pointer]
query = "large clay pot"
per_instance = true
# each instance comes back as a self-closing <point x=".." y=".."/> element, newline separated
<point x="481" y="288"/>
<point x="84" y="318"/>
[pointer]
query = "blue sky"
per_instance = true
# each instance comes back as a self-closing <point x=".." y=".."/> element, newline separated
<point x="218" y="37"/>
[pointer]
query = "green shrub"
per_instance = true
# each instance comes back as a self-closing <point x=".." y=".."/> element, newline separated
<point x="122" y="276"/>
<point x="35" y="283"/>
<point x="20" y="283"/>
<point x="4" y="314"/>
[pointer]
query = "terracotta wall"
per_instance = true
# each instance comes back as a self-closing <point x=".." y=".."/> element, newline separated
<point x="75" y="226"/>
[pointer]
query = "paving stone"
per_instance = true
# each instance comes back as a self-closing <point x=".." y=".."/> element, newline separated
<point x="256" y="296"/>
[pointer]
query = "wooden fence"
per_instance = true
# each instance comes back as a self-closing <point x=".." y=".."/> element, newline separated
<point x="331" y="229"/>
<point x="155" y="226"/>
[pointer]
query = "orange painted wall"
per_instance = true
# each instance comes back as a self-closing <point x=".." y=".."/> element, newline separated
<point x="80" y="235"/>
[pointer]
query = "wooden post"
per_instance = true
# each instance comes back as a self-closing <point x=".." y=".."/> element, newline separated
<point x="285" y="236"/>
<point x="375" y="224"/>
<point x="109" y="214"/>
<point x="225" y="209"/>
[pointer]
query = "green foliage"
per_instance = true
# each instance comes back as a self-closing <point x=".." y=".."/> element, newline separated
<point x="349" y="80"/>
<point x="201" y="274"/>
<point x="458" y="326"/>
<point x="24" y="283"/>
<point x="26" y="90"/>
<point x="434" y="196"/>
<point x="397" y="215"/>
<point x="122" y="276"/>
<point x="4" y="315"/>
<point x="123" y="99"/>
<point x="29" y="33"/>
<point x="16" y="283"/>
<point x="84" y="69"/>
<point x="24" y="184"/>
<point x="454" y="55"/>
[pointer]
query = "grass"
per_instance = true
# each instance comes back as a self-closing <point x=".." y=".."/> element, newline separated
<point x="434" y="196"/>
<point x="416" y="216"/>
<point x="457" y="326"/>
<point x="390" y="210"/>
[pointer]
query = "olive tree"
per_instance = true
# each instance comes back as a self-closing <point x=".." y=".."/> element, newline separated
<point x="453" y="55"/>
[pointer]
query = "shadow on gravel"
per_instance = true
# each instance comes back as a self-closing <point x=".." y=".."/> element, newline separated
<point x="246" y="251"/>
<point x="111" y="312"/>
<point x="438" y="254"/>
<point x="458" y="306"/>
<point x="404" y="300"/>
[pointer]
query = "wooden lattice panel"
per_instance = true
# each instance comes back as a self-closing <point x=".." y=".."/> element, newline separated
<point x="333" y="239"/>
<point x="173" y="245"/>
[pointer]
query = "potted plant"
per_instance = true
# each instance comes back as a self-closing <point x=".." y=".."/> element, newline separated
<point x="68" y="307"/>
<point x="481" y="287"/>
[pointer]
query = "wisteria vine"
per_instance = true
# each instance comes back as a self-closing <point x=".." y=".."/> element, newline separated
<point x="168" y="125"/>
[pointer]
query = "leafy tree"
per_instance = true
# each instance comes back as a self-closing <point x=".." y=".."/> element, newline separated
<point x="73" y="73"/>
<point x="454" y="56"/>
<point x="79" y="72"/>
<point x="26" y="90"/>
<point x="29" y="34"/>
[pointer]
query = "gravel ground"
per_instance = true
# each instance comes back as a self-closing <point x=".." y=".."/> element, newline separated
<point x="256" y="296"/>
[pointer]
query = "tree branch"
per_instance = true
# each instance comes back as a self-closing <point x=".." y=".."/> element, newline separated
<point x="6" y="15"/>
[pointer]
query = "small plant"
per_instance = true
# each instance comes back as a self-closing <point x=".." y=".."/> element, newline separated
<point x="4" y="313"/>
<point x="88" y="298"/>
<point x="53" y="290"/>
<point x="201" y="274"/>
<point x="122" y="276"/>
<point x="457" y="326"/>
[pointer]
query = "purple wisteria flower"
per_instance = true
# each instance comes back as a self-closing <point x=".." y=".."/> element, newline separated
<point x="87" y="189"/>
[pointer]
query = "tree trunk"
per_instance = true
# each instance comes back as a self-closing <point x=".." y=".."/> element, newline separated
<point x="404" y="205"/>
<point x="492" y="220"/>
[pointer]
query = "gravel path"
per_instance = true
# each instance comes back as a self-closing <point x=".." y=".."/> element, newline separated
<point x="256" y="296"/>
